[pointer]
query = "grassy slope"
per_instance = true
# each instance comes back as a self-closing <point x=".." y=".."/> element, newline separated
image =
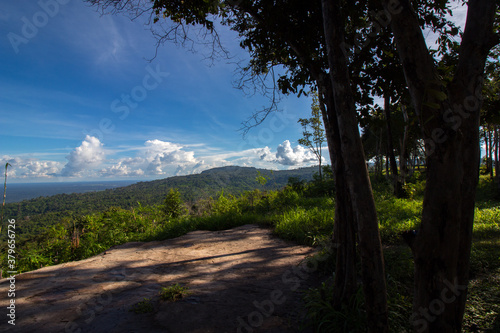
<point x="304" y="219"/>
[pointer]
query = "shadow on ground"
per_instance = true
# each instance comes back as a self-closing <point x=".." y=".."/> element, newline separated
<point x="239" y="280"/>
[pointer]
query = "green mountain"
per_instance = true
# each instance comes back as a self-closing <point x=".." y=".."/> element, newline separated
<point x="42" y="211"/>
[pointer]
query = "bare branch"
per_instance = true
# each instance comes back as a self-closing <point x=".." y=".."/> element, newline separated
<point x="263" y="83"/>
<point x="165" y="30"/>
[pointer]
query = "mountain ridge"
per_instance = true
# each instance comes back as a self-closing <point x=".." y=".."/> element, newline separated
<point x="232" y="180"/>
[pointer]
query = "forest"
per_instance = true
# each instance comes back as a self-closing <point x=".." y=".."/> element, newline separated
<point x="47" y="210"/>
<point x="423" y="218"/>
<point x="299" y="211"/>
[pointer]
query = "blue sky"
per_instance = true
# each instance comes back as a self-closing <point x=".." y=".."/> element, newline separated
<point x="79" y="100"/>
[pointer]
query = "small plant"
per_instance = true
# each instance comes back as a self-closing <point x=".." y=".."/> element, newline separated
<point x="261" y="179"/>
<point x="173" y="205"/>
<point x="173" y="293"/>
<point x="143" y="306"/>
<point x="323" y="317"/>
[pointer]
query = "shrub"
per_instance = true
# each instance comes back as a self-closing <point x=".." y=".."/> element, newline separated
<point x="173" y="205"/>
<point x="143" y="306"/>
<point x="226" y="205"/>
<point x="173" y="293"/>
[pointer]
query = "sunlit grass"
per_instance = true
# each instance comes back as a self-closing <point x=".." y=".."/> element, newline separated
<point x="304" y="220"/>
<point x="303" y="225"/>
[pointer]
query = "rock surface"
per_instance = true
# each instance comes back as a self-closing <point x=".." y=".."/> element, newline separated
<point x="239" y="280"/>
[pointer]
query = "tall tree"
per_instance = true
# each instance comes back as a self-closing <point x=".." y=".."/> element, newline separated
<point x="309" y="39"/>
<point x="313" y="140"/>
<point x="448" y="112"/>
<point x="356" y="173"/>
<point x="291" y="34"/>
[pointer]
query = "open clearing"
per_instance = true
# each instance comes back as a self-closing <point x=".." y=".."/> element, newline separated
<point x="240" y="280"/>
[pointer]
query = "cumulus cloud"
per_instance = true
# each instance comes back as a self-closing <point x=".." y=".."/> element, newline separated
<point x="168" y="152"/>
<point x="299" y="155"/>
<point x="30" y="167"/>
<point x="156" y="158"/>
<point x="121" y="170"/>
<point x="162" y="156"/>
<point x="89" y="155"/>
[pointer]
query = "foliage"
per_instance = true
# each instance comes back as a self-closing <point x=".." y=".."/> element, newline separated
<point x="261" y="179"/>
<point x="323" y="317"/>
<point x="313" y="134"/>
<point x="173" y="205"/>
<point x="294" y="215"/>
<point x="36" y="214"/>
<point x="144" y="306"/>
<point x="4" y="195"/>
<point x="301" y="224"/>
<point x="173" y="293"/>
<point x="226" y="205"/>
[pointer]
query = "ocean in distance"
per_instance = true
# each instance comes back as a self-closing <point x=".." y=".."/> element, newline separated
<point x="24" y="191"/>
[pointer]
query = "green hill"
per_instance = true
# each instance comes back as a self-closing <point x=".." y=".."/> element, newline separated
<point x="49" y="210"/>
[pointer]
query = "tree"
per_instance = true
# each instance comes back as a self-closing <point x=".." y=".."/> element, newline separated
<point x="173" y="206"/>
<point x="490" y="114"/>
<point x="309" y="39"/>
<point x="4" y="195"/>
<point x="318" y="134"/>
<point x="335" y="14"/>
<point x="447" y="108"/>
<point x="261" y="179"/>
<point x="291" y="34"/>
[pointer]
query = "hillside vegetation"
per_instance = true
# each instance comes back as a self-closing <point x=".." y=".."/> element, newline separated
<point x="300" y="211"/>
<point x="41" y="212"/>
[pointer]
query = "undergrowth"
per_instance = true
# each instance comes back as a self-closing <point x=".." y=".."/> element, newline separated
<point x="296" y="214"/>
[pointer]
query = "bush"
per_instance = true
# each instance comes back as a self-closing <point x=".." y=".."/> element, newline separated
<point x="173" y="205"/>
<point x="226" y="205"/>
<point x="173" y="293"/>
<point x="143" y="306"/>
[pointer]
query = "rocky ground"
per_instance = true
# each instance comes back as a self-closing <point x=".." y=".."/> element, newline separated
<point x="239" y="280"/>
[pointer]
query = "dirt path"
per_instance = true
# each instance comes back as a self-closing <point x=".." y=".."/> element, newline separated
<point x="240" y="280"/>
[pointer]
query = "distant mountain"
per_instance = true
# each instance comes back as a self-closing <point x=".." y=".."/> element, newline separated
<point x="232" y="180"/>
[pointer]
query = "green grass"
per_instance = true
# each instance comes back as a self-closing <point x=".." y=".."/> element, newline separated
<point x="144" y="306"/>
<point x="173" y="293"/>
<point x="396" y="215"/>
<point x="305" y="220"/>
<point x="303" y="225"/>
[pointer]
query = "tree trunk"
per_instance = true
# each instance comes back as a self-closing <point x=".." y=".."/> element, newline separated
<point x="387" y="171"/>
<point x="490" y="136"/>
<point x="398" y="187"/>
<point x="403" y="154"/>
<point x="486" y="150"/>
<point x="497" y="151"/>
<point x="344" y="234"/>
<point x="450" y="126"/>
<point x="356" y="173"/>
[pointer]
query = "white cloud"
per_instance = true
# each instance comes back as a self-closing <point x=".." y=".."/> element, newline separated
<point x="89" y="155"/>
<point x="121" y="170"/>
<point x="297" y="156"/>
<point x="285" y="156"/>
<point x="164" y="152"/>
<point x="154" y="159"/>
<point x="163" y="156"/>
<point x="29" y="167"/>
